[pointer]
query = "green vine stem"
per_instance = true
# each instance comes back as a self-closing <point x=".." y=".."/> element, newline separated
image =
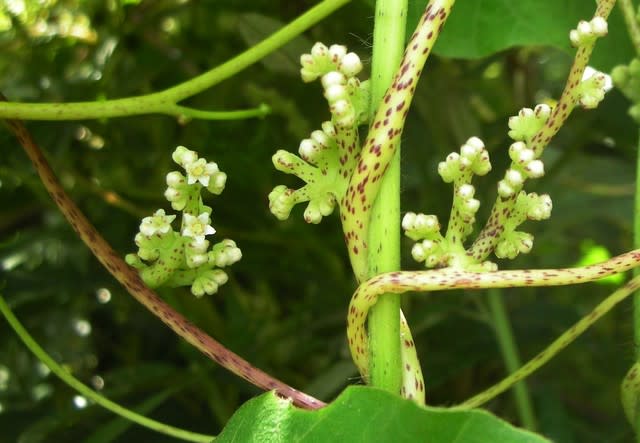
<point x="628" y="84"/>
<point x="557" y="345"/>
<point x="377" y="154"/>
<point x="83" y="389"/>
<point x="183" y="111"/>
<point x="631" y="22"/>
<point x="130" y="279"/>
<point x="510" y="356"/>
<point x="384" y="231"/>
<point x="165" y="102"/>
<point x="444" y="279"/>
<point x="488" y="238"/>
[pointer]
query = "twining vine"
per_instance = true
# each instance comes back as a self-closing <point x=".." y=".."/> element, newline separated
<point x="339" y="171"/>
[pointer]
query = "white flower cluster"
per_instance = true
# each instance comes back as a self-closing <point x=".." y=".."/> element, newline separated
<point x="196" y="228"/>
<point x="426" y="228"/>
<point x="322" y="60"/>
<point x="167" y="257"/>
<point x="588" y="31"/>
<point x="198" y="170"/>
<point x="311" y="149"/>
<point x="528" y="122"/>
<point x="593" y="87"/>
<point x="337" y="70"/>
<point x="524" y="166"/>
<point x="473" y="159"/>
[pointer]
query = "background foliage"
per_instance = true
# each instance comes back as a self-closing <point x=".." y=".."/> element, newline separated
<point x="284" y="308"/>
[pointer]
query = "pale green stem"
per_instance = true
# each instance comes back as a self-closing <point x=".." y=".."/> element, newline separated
<point x="556" y="346"/>
<point x="184" y="111"/>
<point x="511" y="356"/>
<point x="83" y="389"/>
<point x="164" y="102"/>
<point x="384" y="231"/>
<point x="633" y="28"/>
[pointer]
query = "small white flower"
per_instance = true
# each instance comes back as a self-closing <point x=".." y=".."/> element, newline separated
<point x="200" y="171"/>
<point x="159" y="223"/>
<point x="197" y="227"/>
<point x="605" y="81"/>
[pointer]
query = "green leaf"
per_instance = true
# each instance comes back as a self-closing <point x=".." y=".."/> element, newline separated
<point x="362" y="414"/>
<point x="480" y="28"/>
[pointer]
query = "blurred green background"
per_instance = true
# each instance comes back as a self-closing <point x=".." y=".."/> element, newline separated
<point x="284" y="307"/>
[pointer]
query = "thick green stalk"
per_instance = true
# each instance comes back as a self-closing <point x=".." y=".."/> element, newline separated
<point x="384" y="234"/>
<point x="164" y="102"/>
<point x="511" y="356"/>
<point x="83" y="389"/>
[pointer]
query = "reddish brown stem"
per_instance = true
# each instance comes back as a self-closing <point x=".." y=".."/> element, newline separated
<point x="129" y="278"/>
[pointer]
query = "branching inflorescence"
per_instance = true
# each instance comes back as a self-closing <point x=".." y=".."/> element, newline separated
<point x="172" y="258"/>
<point x="328" y="156"/>
<point x="337" y="170"/>
<point x="357" y="171"/>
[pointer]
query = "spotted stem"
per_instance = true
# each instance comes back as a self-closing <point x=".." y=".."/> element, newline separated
<point x="488" y="238"/>
<point x="445" y="279"/>
<point x="378" y="152"/>
<point x="384" y="135"/>
<point x="130" y="279"/>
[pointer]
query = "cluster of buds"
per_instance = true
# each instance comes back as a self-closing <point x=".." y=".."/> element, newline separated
<point x="524" y="165"/>
<point x="527" y="123"/>
<point x="347" y="96"/>
<point x="473" y="159"/>
<point x="425" y="230"/>
<point x="183" y="258"/>
<point x="432" y="248"/>
<point x="593" y="87"/>
<point x="198" y="170"/>
<point x="322" y="60"/>
<point x="594" y="84"/>
<point x="327" y="157"/>
<point x="317" y="166"/>
<point x="627" y="79"/>
<point x="527" y="207"/>
<point x="588" y="31"/>
<point x="524" y="162"/>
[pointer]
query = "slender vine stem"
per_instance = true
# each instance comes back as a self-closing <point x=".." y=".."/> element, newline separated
<point x="183" y="111"/>
<point x="629" y="387"/>
<point x="556" y="346"/>
<point x="165" y="102"/>
<point x="633" y="28"/>
<point x="510" y="356"/>
<point x="83" y="389"/>
<point x="130" y="279"/>
<point x="450" y="278"/>
<point x="384" y="231"/>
